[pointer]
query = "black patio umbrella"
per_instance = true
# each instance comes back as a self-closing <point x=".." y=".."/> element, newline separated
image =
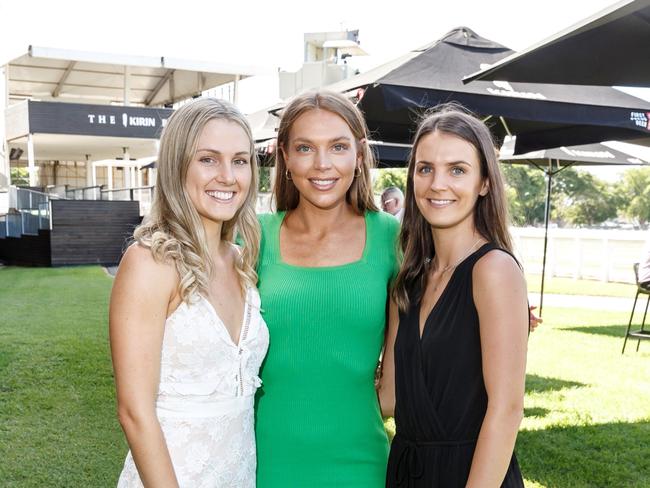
<point x="552" y="161"/>
<point x="610" y="48"/>
<point x="393" y="95"/>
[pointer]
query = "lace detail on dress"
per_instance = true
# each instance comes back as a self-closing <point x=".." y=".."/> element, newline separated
<point x="205" y="396"/>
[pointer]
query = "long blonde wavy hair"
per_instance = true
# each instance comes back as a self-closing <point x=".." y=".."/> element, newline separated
<point x="173" y="229"/>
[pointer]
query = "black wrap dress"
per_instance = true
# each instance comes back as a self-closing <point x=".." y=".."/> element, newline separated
<point x="440" y="394"/>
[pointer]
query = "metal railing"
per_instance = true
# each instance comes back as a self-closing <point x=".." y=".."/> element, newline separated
<point x="142" y="194"/>
<point x="26" y="199"/>
<point x="29" y="212"/>
<point x="29" y="221"/>
<point x="13" y="225"/>
<point x="57" y="190"/>
<point x="85" y="193"/>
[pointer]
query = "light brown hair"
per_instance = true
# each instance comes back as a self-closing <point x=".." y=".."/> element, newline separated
<point x="359" y="195"/>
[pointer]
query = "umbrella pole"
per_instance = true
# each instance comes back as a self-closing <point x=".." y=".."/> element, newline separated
<point x="547" y="212"/>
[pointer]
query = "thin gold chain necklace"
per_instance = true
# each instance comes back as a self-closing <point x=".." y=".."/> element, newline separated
<point x="452" y="266"/>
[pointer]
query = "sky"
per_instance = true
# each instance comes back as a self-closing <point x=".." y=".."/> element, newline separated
<point x="269" y="34"/>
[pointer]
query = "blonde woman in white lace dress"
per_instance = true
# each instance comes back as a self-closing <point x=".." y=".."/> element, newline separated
<point x="187" y="337"/>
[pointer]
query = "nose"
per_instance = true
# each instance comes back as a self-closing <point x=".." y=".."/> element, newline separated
<point x="225" y="174"/>
<point x="438" y="181"/>
<point x="321" y="160"/>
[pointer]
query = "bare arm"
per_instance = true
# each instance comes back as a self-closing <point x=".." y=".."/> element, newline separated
<point x="140" y="298"/>
<point x="500" y="296"/>
<point x="386" y="386"/>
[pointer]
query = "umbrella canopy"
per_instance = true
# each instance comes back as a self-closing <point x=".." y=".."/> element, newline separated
<point x="393" y="95"/>
<point x="586" y="155"/>
<point x="552" y="161"/>
<point x="611" y="48"/>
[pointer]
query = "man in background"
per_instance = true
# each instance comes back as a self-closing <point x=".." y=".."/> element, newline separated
<point x="392" y="201"/>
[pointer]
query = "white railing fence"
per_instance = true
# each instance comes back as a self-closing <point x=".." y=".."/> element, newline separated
<point x="606" y="255"/>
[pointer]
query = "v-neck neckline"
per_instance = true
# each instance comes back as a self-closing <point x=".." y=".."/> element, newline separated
<point x="242" y="326"/>
<point x="422" y="328"/>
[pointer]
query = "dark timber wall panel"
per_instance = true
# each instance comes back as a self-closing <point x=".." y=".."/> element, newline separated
<point x="88" y="232"/>
<point x="26" y="250"/>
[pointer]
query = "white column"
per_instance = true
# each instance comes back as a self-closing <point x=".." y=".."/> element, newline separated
<point x="109" y="176"/>
<point x="139" y="177"/>
<point x="5" y="164"/>
<point x="235" y="95"/>
<point x="127" y="86"/>
<point x="94" y="173"/>
<point x="30" y="160"/>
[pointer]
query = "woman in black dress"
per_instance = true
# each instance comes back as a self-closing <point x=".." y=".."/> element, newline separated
<point x="454" y="367"/>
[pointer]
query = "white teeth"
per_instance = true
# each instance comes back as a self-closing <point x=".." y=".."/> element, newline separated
<point x="323" y="182"/>
<point x="221" y="195"/>
<point x="440" y="202"/>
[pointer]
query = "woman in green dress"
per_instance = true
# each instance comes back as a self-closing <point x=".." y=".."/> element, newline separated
<point x="326" y="260"/>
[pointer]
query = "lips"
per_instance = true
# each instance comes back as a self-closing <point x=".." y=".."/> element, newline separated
<point x="221" y="196"/>
<point x="323" y="184"/>
<point x="439" y="202"/>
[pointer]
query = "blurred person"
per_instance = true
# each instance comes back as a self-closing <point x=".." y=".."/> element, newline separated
<point x="186" y="333"/>
<point x="392" y="201"/>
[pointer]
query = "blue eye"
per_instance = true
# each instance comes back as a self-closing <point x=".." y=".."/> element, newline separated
<point x="457" y="171"/>
<point x="424" y="169"/>
<point x="303" y="148"/>
<point x="339" y="147"/>
<point x="207" y="160"/>
<point x="240" y="162"/>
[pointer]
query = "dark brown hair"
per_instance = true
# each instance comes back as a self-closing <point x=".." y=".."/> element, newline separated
<point x="359" y="195"/>
<point x="490" y="213"/>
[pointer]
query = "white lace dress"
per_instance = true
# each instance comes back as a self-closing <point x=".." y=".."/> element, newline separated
<point x="205" y="398"/>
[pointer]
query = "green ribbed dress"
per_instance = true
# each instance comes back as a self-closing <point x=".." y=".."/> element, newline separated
<point x="318" y="422"/>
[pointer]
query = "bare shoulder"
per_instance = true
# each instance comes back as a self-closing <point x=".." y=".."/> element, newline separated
<point x="497" y="267"/>
<point x="138" y="268"/>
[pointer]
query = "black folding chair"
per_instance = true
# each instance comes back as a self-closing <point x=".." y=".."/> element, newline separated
<point x="641" y="333"/>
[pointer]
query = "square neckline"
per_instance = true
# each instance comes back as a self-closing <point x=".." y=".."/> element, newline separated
<point x="280" y="260"/>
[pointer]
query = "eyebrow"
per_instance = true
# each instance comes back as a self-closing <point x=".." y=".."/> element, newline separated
<point x="336" y="139"/>
<point x="216" y="151"/>
<point x="451" y="163"/>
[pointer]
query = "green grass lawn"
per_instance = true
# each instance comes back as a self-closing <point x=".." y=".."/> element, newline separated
<point x="587" y="417"/>
<point x="58" y="425"/>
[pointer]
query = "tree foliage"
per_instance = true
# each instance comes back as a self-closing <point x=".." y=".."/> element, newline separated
<point x="581" y="199"/>
<point x="634" y="194"/>
<point x="578" y="197"/>
<point x="391" y="177"/>
<point x="526" y="192"/>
